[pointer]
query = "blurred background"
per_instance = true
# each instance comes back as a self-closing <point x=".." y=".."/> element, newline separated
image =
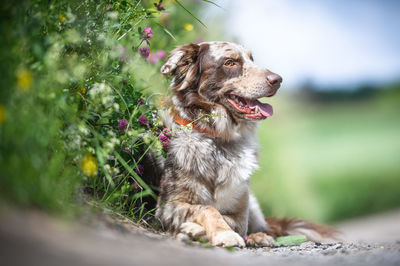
<point x="332" y="149"/>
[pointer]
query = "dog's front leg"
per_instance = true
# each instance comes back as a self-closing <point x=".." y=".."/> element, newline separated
<point x="217" y="230"/>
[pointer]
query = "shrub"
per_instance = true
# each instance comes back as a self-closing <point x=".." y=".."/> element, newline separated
<point x="78" y="100"/>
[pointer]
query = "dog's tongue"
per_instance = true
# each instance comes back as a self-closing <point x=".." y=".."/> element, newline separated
<point x="265" y="109"/>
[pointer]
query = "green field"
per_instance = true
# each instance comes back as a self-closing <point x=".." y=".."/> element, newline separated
<point x="328" y="161"/>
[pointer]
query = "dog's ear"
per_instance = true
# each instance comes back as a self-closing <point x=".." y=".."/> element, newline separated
<point x="180" y="57"/>
<point x="184" y="64"/>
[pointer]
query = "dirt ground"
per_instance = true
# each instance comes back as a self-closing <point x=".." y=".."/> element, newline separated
<point x="34" y="238"/>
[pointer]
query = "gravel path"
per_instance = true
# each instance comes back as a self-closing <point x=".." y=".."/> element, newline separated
<point x="33" y="238"/>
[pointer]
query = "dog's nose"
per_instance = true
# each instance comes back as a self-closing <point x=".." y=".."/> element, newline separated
<point x="274" y="79"/>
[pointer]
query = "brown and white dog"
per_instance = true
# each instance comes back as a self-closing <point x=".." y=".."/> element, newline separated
<point x="204" y="190"/>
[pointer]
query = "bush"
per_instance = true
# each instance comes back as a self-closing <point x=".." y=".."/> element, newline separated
<point x="79" y="95"/>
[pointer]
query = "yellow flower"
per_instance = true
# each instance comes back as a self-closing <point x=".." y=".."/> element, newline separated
<point x="24" y="79"/>
<point x="3" y="114"/>
<point x="156" y="14"/>
<point x="89" y="165"/>
<point x="83" y="90"/>
<point x="188" y="27"/>
<point x="61" y="18"/>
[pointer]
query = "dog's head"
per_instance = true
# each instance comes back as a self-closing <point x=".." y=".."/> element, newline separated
<point x="220" y="76"/>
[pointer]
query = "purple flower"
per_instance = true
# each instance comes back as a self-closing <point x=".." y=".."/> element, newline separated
<point x="159" y="6"/>
<point x="161" y="54"/>
<point x="125" y="149"/>
<point x="152" y="58"/>
<point x="145" y="51"/>
<point x="166" y="132"/>
<point x="143" y="120"/>
<point x="140" y="101"/>
<point x="122" y="125"/>
<point x="164" y="141"/>
<point x="163" y="138"/>
<point x="147" y="33"/>
<point x="139" y="169"/>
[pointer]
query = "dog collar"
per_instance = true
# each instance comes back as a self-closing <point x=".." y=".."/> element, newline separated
<point x="179" y="120"/>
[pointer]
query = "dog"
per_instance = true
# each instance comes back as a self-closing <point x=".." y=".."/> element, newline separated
<point x="214" y="113"/>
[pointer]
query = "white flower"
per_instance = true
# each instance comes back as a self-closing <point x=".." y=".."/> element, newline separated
<point x="91" y="150"/>
<point x="112" y="15"/>
<point x="83" y="130"/>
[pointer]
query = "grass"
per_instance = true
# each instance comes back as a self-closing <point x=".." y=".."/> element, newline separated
<point x="332" y="161"/>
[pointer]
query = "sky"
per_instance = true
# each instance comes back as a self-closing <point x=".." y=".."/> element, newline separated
<point x="330" y="43"/>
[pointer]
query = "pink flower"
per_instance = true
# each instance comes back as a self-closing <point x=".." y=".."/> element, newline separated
<point x="164" y="141"/>
<point x="152" y="58"/>
<point x="163" y="138"/>
<point x="160" y="54"/>
<point x="145" y="51"/>
<point x="246" y="237"/>
<point x="108" y="7"/>
<point x="147" y="33"/>
<point x="166" y="132"/>
<point x="143" y="120"/>
<point x="122" y="125"/>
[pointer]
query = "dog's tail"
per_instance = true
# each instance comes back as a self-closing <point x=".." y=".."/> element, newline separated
<point x="293" y="226"/>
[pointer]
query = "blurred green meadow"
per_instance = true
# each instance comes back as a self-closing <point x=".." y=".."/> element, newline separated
<point x="328" y="156"/>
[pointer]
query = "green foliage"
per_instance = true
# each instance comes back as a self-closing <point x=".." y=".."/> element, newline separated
<point x="78" y="100"/>
<point x="290" y="240"/>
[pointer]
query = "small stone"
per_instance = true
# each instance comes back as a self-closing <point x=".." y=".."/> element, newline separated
<point x="344" y="251"/>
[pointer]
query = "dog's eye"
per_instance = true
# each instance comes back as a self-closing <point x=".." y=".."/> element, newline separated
<point x="229" y="63"/>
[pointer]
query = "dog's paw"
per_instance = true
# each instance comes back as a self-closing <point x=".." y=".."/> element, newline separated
<point x="260" y="240"/>
<point x="192" y="230"/>
<point x="227" y="239"/>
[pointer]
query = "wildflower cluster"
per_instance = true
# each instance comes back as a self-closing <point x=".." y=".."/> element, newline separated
<point x="78" y="105"/>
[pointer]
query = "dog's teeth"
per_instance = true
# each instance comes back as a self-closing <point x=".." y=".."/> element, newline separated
<point x="256" y="109"/>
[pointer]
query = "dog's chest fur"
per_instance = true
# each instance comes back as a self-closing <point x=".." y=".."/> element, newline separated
<point x="218" y="171"/>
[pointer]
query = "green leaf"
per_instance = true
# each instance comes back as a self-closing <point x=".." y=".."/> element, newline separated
<point x="148" y="190"/>
<point x="166" y="31"/>
<point x="213" y="3"/>
<point x="290" y="240"/>
<point x="230" y="249"/>
<point x="190" y="13"/>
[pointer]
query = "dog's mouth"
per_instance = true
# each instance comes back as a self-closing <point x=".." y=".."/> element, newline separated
<point x="251" y="108"/>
